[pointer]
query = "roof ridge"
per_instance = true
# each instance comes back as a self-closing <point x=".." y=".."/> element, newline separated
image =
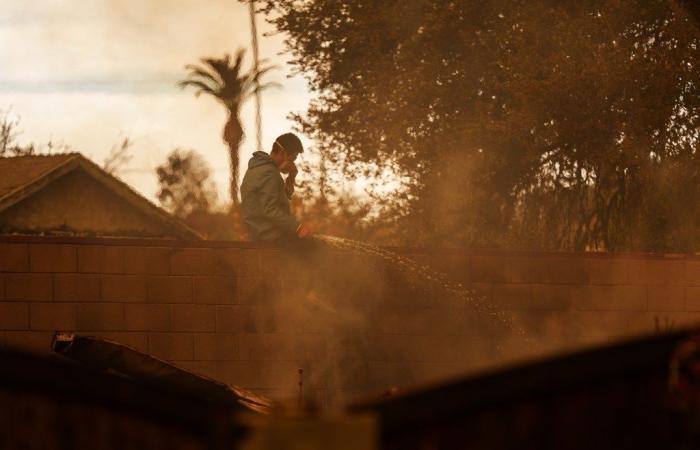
<point x="42" y="155"/>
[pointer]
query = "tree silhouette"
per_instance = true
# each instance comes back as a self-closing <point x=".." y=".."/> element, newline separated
<point x="561" y="125"/>
<point x="9" y="131"/>
<point x="224" y="79"/>
<point x="185" y="184"/>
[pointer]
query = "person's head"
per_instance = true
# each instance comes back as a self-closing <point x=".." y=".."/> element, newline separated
<point x="285" y="150"/>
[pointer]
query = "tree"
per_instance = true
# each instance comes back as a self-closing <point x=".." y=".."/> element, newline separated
<point x="119" y="156"/>
<point x="539" y="124"/>
<point x="185" y="184"/>
<point x="9" y="131"/>
<point x="9" y="145"/>
<point x="329" y="210"/>
<point x="224" y="80"/>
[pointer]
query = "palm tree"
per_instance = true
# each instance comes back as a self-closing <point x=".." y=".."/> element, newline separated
<point x="256" y="62"/>
<point x="223" y="79"/>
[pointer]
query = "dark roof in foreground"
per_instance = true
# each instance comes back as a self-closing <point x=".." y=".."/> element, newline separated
<point x="587" y="367"/>
<point x="106" y="356"/>
<point x="22" y="176"/>
<point x="58" y="378"/>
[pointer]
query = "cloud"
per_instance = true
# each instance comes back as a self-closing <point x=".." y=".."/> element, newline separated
<point x="163" y="85"/>
<point x="49" y="40"/>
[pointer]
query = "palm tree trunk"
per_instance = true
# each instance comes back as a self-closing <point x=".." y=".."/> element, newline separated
<point x="233" y="136"/>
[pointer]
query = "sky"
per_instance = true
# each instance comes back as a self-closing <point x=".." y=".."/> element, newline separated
<point x="88" y="74"/>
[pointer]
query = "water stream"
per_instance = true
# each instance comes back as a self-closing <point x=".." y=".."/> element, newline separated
<point x="423" y="276"/>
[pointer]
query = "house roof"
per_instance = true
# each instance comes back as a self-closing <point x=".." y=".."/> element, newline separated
<point x="112" y="357"/>
<point x="22" y="176"/>
<point x="21" y="171"/>
<point x="50" y="380"/>
<point x="581" y="370"/>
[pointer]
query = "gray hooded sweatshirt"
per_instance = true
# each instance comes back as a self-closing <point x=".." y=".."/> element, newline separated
<point x="264" y="204"/>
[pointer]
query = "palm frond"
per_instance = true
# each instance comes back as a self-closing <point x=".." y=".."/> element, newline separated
<point x="198" y="71"/>
<point x="247" y="85"/>
<point x="261" y="88"/>
<point x="223" y="78"/>
<point x="250" y="84"/>
<point x="236" y="69"/>
<point x="231" y="73"/>
<point x="201" y="87"/>
<point x="233" y="89"/>
<point x="262" y="71"/>
<point x="220" y="66"/>
<point x="269" y="85"/>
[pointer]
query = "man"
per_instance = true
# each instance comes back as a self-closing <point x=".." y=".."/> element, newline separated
<point x="265" y="195"/>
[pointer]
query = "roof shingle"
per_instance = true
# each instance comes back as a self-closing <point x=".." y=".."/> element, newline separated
<point x="19" y="171"/>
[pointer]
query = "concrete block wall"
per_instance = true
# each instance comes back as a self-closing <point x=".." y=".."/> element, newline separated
<point x="250" y="315"/>
<point x="596" y="297"/>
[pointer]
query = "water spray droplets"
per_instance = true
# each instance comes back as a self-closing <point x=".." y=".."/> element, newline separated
<point x="421" y="276"/>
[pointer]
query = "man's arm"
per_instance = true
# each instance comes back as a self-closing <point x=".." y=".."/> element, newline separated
<point x="271" y="185"/>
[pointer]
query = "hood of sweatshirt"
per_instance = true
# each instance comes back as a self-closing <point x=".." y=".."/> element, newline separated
<point x="260" y="159"/>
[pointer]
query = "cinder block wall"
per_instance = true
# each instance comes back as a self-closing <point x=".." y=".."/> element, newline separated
<point x="206" y="306"/>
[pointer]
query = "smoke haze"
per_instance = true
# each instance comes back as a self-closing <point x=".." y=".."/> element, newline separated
<point x="88" y="73"/>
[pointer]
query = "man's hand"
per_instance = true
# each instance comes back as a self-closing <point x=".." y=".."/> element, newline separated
<point x="304" y="231"/>
<point x="292" y="171"/>
<point x="289" y="182"/>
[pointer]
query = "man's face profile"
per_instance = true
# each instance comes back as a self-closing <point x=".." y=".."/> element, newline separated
<point x="288" y="161"/>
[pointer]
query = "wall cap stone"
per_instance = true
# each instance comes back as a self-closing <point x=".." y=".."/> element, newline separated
<point x="174" y="243"/>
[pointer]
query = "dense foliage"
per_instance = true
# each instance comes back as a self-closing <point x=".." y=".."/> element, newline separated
<point x="529" y="124"/>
